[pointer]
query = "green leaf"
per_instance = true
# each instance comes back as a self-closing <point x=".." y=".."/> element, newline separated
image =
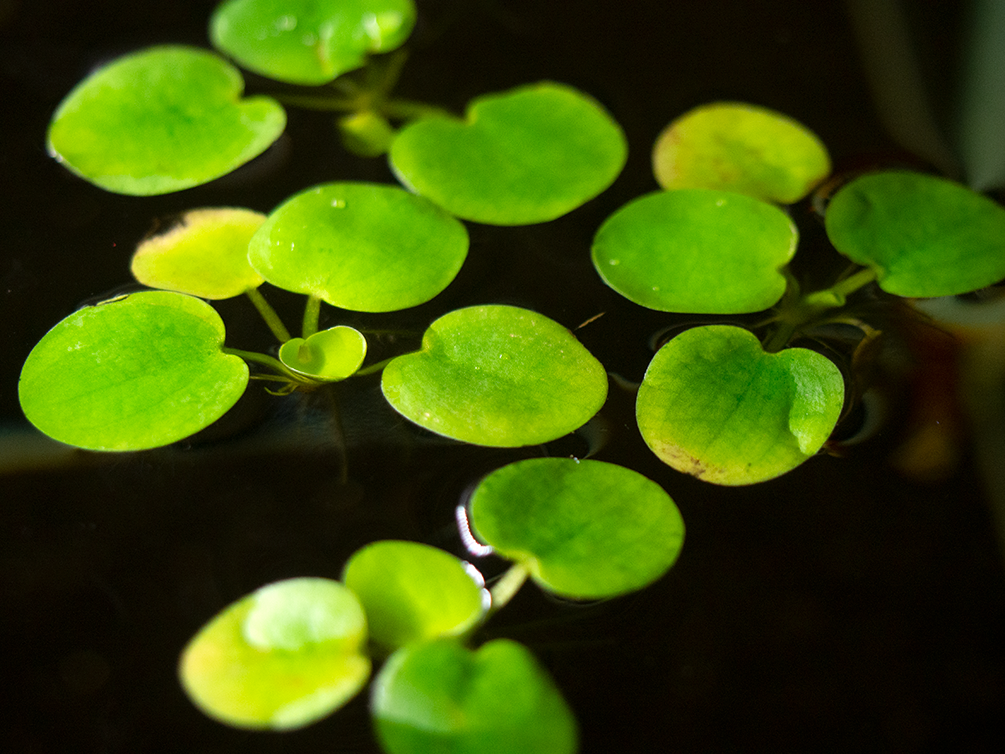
<point x="523" y="156"/>
<point x="309" y="41"/>
<point x="204" y="255"/>
<point x="499" y="376"/>
<point x="330" y="355"/>
<point x="923" y="236"/>
<point x="283" y="657"/>
<point x="715" y="405"/>
<point x="413" y="592"/>
<point x="134" y="372"/>
<point x="360" y="246"/>
<point x="582" y="529"/>
<point x="161" y="120"/>
<point x="743" y="148"/>
<point x="697" y="251"/>
<point x="441" y="697"/>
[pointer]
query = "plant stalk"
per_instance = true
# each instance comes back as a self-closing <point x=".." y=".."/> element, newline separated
<point x="507" y="586"/>
<point x="268" y="314"/>
<point x="312" y="313"/>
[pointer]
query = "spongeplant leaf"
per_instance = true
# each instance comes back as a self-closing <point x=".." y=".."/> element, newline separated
<point x="283" y="657"/>
<point x="309" y="41"/>
<point x="696" y="250"/>
<point x="205" y="255"/>
<point x="923" y="236"/>
<point x="134" y="372"/>
<point x="582" y="529"/>
<point x="499" y="376"/>
<point x="715" y="405"/>
<point x="413" y="592"/>
<point x="360" y="246"/>
<point x="161" y="120"/>
<point x="441" y="697"/>
<point x="739" y="147"/>
<point x="329" y="355"/>
<point x="523" y="156"/>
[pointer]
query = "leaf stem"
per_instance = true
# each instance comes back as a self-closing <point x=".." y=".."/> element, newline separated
<point x="507" y="586"/>
<point x="269" y="361"/>
<point x="268" y="314"/>
<point x="312" y="313"/>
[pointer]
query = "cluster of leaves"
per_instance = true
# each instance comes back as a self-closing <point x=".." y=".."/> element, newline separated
<point x="717" y="401"/>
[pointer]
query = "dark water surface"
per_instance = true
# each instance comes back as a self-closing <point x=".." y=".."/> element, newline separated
<point x="841" y="608"/>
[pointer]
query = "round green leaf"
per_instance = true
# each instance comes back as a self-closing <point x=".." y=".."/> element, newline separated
<point x="582" y="529"/>
<point x="696" y="250"/>
<point x="743" y="148"/>
<point x="329" y="355"/>
<point x="283" y="657"/>
<point x="715" y="405"/>
<point x="524" y="156"/>
<point x="441" y="697"/>
<point x="205" y="255"/>
<point x="499" y="376"/>
<point x="161" y="120"/>
<point x="924" y="236"/>
<point x="309" y="41"/>
<point x="413" y="592"/>
<point x="134" y="372"/>
<point x="360" y="246"/>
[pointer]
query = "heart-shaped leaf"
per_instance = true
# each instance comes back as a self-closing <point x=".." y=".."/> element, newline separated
<point x="309" y="41"/>
<point x="582" y="529"/>
<point x="329" y="355"/>
<point x="413" y="592"/>
<point x="715" y="405"/>
<point x="360" y="246"/>
<point x="283" y="657"/>
<point x="499" y="376"/>
<point x="135" y="372"/>
<point x="161" y="120"/>
<point x="696" y="250"/>
<point x="205" y="255"/>
<point x="524" y="156"/>
<point x="743" y="148"/>
<point x="441" y="697"/>
<point x="924" y="236"/>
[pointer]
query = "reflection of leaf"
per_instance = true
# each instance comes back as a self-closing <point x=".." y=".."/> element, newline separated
<point x="441" y="697"/>
<point x="697" y="251"/>
<point x="924" y="236"/>
<point x="309" y="41"/>
<point x="744" y="148"/>
<point x="499" y="376"/>
<point x="161" y="120"/>
<point x="715" y="405"/>
<point x="524" y="156"/>
<point x="205" y="255"/>
<point x="583" y="529"/>
<point x="133" y="373"/>
<point x="283" y="657"/>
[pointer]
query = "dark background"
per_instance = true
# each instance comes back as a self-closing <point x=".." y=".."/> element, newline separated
<point x="843" y="607"/>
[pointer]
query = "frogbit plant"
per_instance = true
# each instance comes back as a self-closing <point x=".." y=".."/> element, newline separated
<point x="729" y="404"/>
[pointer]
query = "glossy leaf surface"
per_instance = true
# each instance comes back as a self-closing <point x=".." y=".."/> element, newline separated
<point x="161" y="120"/>
<point x="582" y="529"/>
<point x="499" y="376"/>
<point x="696" y="250"/>
<point x="442" y="697"/>
<point x="204" y="255"/>
<point x="743" y="148"/>
<point x="134" y="372"/>
<point x="924" y="236"/>
<point x="360" y="246"/>
<point x="523" y="156"/>
<point x="412" y="592"/>
<point x="283" y="657"/>
<point x="309" y="41"/>
<point x="715" y="405"/>
<point x="329" y="355"/>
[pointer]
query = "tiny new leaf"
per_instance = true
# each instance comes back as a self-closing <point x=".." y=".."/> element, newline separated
<point x="330" y="355"/>
<point x="161" y="120"/>
<point x="715" y="405"/>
